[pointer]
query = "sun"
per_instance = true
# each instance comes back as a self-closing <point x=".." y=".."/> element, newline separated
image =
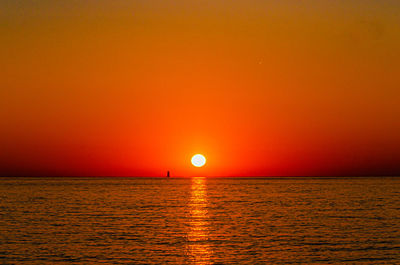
<point x="198" y="160"/>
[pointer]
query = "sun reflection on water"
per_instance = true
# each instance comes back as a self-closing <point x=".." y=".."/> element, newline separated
<point x="198" y="247"/>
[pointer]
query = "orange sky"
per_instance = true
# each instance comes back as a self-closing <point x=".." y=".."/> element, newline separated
<point x="259" y="87"/>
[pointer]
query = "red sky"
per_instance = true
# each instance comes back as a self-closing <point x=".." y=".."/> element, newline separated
<point x="261" y="88"/>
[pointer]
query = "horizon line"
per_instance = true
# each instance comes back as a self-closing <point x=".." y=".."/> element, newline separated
<point x="227" y="176"/>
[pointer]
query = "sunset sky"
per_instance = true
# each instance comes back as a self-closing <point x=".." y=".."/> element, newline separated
<point x="259" y="87"/>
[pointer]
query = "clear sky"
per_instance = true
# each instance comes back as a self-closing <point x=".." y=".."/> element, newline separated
<point x="259" y="87"/>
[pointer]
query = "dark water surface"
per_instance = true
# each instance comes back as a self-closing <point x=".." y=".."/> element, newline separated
<point x="200" y="221"/>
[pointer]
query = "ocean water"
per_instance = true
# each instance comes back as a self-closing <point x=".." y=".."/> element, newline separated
<point x="200" y="221"/>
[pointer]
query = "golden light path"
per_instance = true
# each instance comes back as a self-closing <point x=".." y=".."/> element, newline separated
<point x="199" y="248"/>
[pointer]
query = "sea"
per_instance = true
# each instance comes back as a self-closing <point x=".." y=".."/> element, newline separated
<point x="302" y="220"/>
